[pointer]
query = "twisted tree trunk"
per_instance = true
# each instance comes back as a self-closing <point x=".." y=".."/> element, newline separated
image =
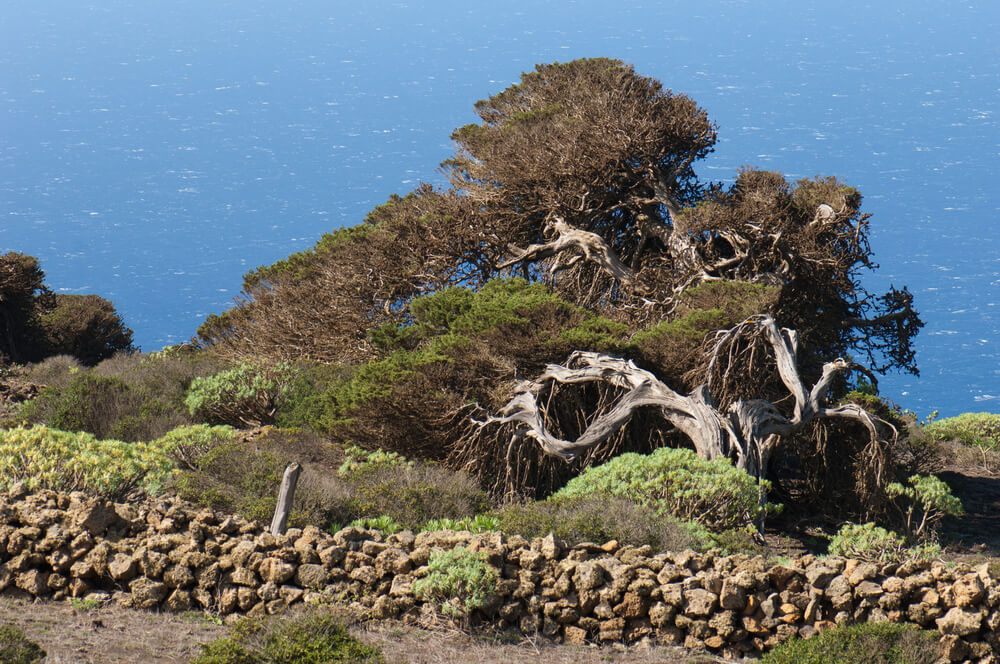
<point x="747" y="432"/>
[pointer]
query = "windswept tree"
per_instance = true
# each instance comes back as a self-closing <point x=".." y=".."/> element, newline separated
<point x="720" y="317"/>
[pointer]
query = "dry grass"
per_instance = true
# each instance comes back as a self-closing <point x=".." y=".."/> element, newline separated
<point x="110" y="635"/>
<point x="403" y="644"/>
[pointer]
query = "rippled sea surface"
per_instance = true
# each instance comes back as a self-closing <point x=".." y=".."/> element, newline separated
<point x="154" y="152"/>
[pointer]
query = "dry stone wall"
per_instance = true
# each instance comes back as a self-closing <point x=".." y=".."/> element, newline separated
<point x="168" y="555"/>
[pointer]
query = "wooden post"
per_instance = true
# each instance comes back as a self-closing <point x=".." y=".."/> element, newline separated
<point x="285" y="497"/>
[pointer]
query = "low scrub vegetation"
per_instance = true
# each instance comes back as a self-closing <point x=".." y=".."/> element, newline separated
<point x="127" y="397"/>
<point x="975" y="429"/>
<point x="866" y="643"/>
<point x="16" y="648"/>
<point x="600" y="519"/>
<point x="676" y="482"/>
<point x="77" y="461"/>
<point x="461" y="581"/>
<point x="245" y="396"/>
<point x="311" y="638"/>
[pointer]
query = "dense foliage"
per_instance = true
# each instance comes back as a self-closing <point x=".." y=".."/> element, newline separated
<point x="600" y="519"/>
<point x="36" y="323"/>
<point x="51" y="459"/>
<point x="460" y="580"/>
<point x="128" y="397"/>
<point x="16" y="648"/>
<point x="978" y="429"/>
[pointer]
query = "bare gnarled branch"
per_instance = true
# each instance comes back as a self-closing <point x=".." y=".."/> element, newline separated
<point x="747" y="432"/>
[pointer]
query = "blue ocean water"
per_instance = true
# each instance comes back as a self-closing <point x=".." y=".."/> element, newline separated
<point x="154" y="152"/>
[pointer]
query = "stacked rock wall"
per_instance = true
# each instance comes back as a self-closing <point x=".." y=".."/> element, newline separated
<point x="168" y="555"/>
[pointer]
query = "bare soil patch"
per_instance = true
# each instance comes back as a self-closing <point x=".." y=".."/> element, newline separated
<point x="75" y="634"/>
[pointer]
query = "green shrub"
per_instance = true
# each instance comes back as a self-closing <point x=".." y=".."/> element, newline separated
<point x="16" y="648"/>
<point x="237" y="477"/>
<point x="127" y="397"/>
<point x="384" y="523"/>
<point x="481" y="523"/>
<point x="359" y="460"/>
<point x="867" y="541"/>
<point x="247" y="395"/>
<point x="927" y="501"/>
<point x="601" y="519"/>
<point x="52" y="459"/>
<point x="189" y="444"/>
<point x="979" y="429"/>
<point x="411" y="495"/>
<point x="461" y="580"/>
<point x="302" y="404"/>
<point x="88" y="403"/>
<point x="677" y="482"/>
<point x="309" y="639"/>
<point x="865" y="643"/>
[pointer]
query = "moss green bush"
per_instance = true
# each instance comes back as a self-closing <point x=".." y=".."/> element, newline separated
<point x="247" y="395"/>
<point x="601" y="519"/>
<point x="16" y="648"/>
<point x="677" y="482"/>
<point x="88" y="403"/>
<point x="979" y="429"/>
<point x="866" y="643"/>
<point x="188" y="444"/>
<point x="238" y="477"/>
<point x="53" y="459"/>
<point x="384" y="523"/>
<point x="460" y="580"/>
<point x="309" y="639"/>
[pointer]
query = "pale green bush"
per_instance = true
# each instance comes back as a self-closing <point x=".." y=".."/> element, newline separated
<point x="359" y="459"/>
<point x="676" y="482"/>
<point x="247" y="395"/>
<point x="187" y="444"/>
<point x="481" y="523"/>
<point x="979" y="429"/>
<point x="47" y="458"/>
<point x="461" y="580"/>
<point x="867" y="541"/>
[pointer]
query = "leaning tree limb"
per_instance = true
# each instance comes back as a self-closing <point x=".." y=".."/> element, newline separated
<point x="579" y="243"/>
<point x="747" y="432"/>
